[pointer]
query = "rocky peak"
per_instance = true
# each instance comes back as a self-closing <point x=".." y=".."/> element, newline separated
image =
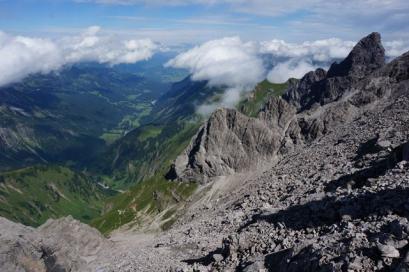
<point x="232" y="142"/>
<point x="318" y="87"/>
<point x="367" y="56"/>
<point x="398" y="69"/>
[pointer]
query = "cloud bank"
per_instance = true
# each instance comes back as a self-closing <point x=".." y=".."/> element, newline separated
<point x="227" y="62"/>
<point x="21" y="56"/>
<point x="239" y="66"/>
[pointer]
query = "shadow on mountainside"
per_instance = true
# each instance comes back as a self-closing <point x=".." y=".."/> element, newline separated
<point x="376" y="169"/>
<point x="330" y="210"/>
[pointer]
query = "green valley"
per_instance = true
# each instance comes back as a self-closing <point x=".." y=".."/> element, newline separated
<point x="32" y="195"/>
<point x="67" y="137"/>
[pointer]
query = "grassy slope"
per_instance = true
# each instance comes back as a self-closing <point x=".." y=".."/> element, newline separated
<point x="259" y="96"/>
<point x="144" y="152"/>
<point x="147" y="152"/>
<point x="66" y="115"/>
<point x="34" y="194"/>
<point x="150" y="197"/>
<point x="145" y="200"/>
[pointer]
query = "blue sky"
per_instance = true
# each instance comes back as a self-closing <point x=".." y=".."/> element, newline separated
<point x="195" y="21"/>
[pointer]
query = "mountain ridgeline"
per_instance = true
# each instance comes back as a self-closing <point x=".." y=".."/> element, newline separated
<point x="300" y="116"/>
<point x="311" y="175"/>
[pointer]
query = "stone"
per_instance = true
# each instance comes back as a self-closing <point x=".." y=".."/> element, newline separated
<point x="257" y="266"/>
<point x="388" y="251"/>
<point x="384" y="144"/>
<point x="217" y="257"/>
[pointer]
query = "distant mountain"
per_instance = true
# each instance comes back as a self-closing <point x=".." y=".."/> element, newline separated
<point x="154" y="68"/>
<point x="52" y="126"/>
<point x="172" y="122"/>
<point x="71" y="115"/>
<point x="278" y="128"/>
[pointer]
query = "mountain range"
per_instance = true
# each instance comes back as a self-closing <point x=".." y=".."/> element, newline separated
<point x="309" y="175"/>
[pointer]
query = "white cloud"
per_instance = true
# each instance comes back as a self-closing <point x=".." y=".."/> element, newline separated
<point x="229" y="99"/>
<point x="299" y="59"/>
<point x="92" y="46"/>
<point x="320" y="50"/>
<point x="294" y="68"/>
<point x="396" y="48"/>
<point x="21" y="56"/>
<point x="227" y="62"/>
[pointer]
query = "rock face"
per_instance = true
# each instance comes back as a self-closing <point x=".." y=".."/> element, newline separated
<point x="299" y="94"/>
<point x="320" y="87"/>
<point x="367" y="56"/>
<point x="58" y="245"/>
<point x="230" y="142"/>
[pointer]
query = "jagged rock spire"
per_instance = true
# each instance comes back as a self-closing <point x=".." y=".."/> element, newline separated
<point x="367" y="56"/>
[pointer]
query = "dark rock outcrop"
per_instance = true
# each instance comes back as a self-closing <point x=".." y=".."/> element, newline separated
<point x="322" y="88"/>
<point x="299" y="94"/>
<point x="367" y="56"/>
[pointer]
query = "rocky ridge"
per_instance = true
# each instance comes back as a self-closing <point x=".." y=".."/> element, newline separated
<point x="335" y="201"/>
<point x="230" y="142"/>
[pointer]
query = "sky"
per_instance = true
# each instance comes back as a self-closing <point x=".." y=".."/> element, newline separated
<point x="194" y="21"/>
<point x="230" y="43"/>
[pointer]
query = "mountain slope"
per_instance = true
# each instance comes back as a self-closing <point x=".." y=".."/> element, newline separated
<point x="150" y="148"/>
<point x="147" y="153"/>
<point x="257" y="98"/>
<point x="70" y="115"/>
<point x="34" y="194"/>
<point x="334" y="199"/>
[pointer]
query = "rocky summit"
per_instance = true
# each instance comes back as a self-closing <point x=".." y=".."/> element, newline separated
<point x="318" y="181"/>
